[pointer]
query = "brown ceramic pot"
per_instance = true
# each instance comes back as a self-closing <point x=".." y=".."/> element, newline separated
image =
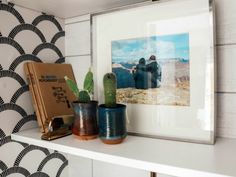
<point x="85" y="125"/>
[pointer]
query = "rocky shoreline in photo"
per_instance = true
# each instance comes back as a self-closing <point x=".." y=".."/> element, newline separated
<point x="177" y="95"/>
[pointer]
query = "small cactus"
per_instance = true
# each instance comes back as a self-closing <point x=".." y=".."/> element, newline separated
<point x="72" y="85"/>
<point x="109" y="84"/>
<point x="84" y="96"/>
<point x="88" y="82"/>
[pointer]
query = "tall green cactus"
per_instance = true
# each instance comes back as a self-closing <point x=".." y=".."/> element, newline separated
<point x="110" y="85"/>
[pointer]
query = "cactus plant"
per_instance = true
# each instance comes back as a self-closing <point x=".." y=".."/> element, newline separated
<point x="84" y="95"/>
<point x="88" y="82"/>
<point x="72" y="85"/>
<point x="111" y="116"/>
<point x="110" y="85"/>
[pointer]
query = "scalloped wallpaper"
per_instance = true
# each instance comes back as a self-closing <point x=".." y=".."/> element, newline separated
<point x="25" y="35"/>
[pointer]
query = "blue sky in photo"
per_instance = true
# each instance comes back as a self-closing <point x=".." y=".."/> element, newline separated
<point x="164" y="47"/>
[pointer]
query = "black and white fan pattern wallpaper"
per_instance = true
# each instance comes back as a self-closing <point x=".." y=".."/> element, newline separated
<point x="25" y="35"/>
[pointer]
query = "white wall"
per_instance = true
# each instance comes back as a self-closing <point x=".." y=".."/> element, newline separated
<point x="77" y="43"/>
<point x="226" y="50"/>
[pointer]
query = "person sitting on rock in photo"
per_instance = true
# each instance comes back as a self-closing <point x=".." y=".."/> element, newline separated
<point x="155" y="69"/>
<point x="141" y="75"/>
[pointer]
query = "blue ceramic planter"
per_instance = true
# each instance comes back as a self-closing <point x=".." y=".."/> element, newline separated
<point x="112" y="123"/>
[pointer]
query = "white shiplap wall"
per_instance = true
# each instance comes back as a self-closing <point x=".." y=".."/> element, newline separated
<point x="226" y="61"/>
<point x="77" y="44"/>
<point x="78" y="53"/>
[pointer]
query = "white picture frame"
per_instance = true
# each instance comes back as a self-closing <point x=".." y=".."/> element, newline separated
<point x="192" y="123"/>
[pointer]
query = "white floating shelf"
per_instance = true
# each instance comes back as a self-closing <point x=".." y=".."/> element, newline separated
<point x="162" y="156"/>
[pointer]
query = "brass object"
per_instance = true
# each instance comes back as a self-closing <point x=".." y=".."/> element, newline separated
<point x="153" y="174"/>
<point x="58" y="127"/>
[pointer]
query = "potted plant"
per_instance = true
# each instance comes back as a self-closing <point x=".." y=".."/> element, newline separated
<point x="85" y="110"/>
<point x="111" y="116"/>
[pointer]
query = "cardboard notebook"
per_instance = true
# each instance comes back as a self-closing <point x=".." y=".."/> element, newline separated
<point x="50" y="94"/>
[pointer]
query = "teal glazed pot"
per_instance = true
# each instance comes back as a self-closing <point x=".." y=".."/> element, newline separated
<point x="112" y="123"/>
<point x="85" y="125"/>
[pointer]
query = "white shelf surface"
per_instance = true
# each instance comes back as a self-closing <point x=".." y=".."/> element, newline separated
<point x="161" y="156"/>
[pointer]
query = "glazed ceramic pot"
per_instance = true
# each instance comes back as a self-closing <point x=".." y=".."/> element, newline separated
<point x="112" y="123"/>
<point x="85" y="125"/>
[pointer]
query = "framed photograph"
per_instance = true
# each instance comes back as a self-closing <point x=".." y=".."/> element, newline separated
<point x="163" y="56"/>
